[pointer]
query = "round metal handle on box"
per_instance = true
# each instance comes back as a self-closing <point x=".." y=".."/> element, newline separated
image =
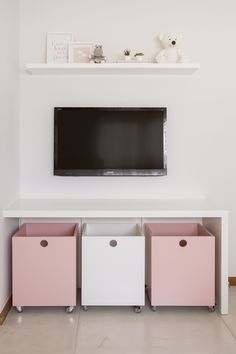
<point x="113" y="243"/>
<point x="44" y="243"/>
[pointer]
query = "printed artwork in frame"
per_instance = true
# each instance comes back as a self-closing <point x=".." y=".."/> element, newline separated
<point x="80" y="52"/>
<point x="58" y="44"/>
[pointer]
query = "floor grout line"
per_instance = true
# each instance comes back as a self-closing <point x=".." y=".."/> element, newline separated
<point x="226" y="325"/>
<point x="75" y="339"/>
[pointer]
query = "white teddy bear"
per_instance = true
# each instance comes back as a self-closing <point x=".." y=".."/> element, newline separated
<point x="170" y="52"/>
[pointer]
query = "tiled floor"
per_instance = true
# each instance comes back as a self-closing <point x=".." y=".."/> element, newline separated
<point x="120" y="331"/>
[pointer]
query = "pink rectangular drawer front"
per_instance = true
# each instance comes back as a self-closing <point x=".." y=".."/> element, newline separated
<point x="182" y="268"/>
<point x="44" y="276"/>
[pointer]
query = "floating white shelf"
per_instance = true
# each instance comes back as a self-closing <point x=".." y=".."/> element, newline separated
<point x="112" y="68"/>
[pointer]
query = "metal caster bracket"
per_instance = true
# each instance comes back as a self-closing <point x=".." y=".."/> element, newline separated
<point x="138" y="309"/>
<point x="69" y="309"/>
<point x="85" y="308"/>
<point x="211" y="308"/>
<point x="154" y="308"/>
<point x="19" y="309"/>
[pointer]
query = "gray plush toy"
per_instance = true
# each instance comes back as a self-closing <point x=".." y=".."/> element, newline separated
<point x="98" y="56"/>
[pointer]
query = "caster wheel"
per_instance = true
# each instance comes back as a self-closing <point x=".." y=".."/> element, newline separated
<point x="19" y="309"/>
<point x="138" y="309"/>
<point x="69" y="309"/>
<point x="85" y="308"/>
<point x="154" y="308"/>
<point x="211" y="308"/>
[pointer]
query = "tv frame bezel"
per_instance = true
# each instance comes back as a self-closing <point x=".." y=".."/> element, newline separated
<point x="112" y="172"/>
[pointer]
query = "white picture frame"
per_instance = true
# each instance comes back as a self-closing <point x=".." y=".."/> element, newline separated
<point x="80" y="52"/>
<point x="58" y="44"/>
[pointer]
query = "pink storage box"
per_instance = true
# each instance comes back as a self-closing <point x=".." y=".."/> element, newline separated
<point x="44" y="265"/>
<point x="180" y="265"/>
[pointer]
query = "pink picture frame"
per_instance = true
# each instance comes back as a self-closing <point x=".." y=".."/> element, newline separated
<point x="80" y="52"/>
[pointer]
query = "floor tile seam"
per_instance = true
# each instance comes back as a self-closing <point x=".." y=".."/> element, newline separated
<point x="75" y="337"/>
<point x="226" y="325"/>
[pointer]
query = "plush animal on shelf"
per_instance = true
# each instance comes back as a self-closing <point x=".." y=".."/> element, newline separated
<point x="170" y="52"/>
<point x="98" y="56"/>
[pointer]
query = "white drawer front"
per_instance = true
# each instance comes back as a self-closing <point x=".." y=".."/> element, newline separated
<point x="113" y="275"/>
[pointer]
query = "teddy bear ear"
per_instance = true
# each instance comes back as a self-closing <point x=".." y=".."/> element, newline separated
<point x="178" y="36"/>
<point x="160" y="36"/>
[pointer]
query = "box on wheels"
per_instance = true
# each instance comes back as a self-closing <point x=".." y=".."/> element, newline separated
<point x="180" y="265"/>
<point x="113" y="265"/>
<point x="44" y="265"/>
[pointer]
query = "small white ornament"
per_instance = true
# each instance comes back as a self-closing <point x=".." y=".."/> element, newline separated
<point x="170" y="52"/>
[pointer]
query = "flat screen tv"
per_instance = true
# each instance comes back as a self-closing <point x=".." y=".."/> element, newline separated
<point x="110" y="141"/>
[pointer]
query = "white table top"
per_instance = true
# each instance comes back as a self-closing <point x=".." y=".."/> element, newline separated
<point x="23" y="208"/>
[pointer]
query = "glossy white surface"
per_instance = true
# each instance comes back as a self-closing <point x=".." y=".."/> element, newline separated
<point x="114" y="330"/>
<point x="113" y="274"/>
<point x="112" y="68"/>
<point x="113" y="208"/>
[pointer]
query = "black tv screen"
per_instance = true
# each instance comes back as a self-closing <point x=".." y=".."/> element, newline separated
<point x="109" y="141"/>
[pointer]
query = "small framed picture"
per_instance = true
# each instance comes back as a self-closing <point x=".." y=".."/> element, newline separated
<point x="80" y="52"/>
<point x="58" y="44"/>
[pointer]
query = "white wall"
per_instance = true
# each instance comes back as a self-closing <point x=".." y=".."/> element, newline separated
<point x="201" y="113"/>
<point x="9" y="142"/>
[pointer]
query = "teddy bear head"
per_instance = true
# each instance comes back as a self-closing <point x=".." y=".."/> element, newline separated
<point x="168" y="40"/>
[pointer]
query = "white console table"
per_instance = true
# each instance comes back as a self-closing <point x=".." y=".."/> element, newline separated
<point x="214" y="219"/>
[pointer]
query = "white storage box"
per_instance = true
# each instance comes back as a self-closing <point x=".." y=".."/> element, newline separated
<point x="113" y="265"/>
